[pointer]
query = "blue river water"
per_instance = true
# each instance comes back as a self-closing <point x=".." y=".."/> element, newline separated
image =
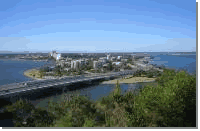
<point x="12" y="71"/>
<point x="175" y="60"/>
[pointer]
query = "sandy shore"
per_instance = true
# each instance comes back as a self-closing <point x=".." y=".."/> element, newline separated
<point x="31" y="72"/>
<point x="130" y="80"/>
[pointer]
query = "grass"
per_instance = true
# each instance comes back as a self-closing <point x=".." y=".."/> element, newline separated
<point x="133" y="80"/>
<point x="169" y="102"/>
<point x="33" y="73"/>
<point x="150" y="73"/>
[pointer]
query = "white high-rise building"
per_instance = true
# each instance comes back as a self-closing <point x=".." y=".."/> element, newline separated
<point x="75" y="64"/>
<point x="72" y="64"/>
<point x="58" y="56"/>
<point x="119" y="57"/>
<point x="108" y="57"/>
<point x="55" y="55"/>
<point x="95" y="64"/>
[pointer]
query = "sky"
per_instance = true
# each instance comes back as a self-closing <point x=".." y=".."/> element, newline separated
<point x="98" y="25"/>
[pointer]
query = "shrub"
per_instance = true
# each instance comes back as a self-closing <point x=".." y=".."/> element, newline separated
<point x="89" y="123"/>
<point x="26" y="115"/>
<point x="170" y="102"/>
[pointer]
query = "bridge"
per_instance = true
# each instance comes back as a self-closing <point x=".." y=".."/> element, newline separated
<point x="10" y="90"/>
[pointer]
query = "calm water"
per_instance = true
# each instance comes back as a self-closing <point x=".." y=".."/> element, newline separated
<point x="11" y="70"/>
<point x="172" y="60"/>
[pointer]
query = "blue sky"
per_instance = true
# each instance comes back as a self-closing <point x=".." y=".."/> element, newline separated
<point x="98" y="26"/>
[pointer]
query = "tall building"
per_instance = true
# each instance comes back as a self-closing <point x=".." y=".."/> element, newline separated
<point x="75" y="64"/>
<point x="58" y="56"/>
<point x="108" y="57"/>
<point x="55" y="55"/>
<point x="119" y="58"/>
<point x="95" y="64"/>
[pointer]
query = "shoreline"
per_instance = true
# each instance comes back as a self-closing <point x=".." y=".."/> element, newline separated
<point x="27" y="73"/>
<point x="127" y="80"/>
<point x="130" y="80"/>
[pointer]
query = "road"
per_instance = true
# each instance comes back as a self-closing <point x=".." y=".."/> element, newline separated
<point x="52" y="82"/>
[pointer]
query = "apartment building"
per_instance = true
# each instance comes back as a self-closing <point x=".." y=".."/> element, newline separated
<point x="75" y="64"/>
<point x="119" y="58"/>
<point x="102" y="60"/>
<point x="113" y="58"/>
<point x="95" y="64"/>
<point x="108" y="57"/>
<point x="117" y="63"/>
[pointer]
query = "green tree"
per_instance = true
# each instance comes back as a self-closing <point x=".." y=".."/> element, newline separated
<point x="109" y="67"/>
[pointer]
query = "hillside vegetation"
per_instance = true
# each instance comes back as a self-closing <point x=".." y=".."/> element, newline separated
<point x="169" y="103"/>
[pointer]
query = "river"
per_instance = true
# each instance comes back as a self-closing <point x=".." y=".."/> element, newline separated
<point x="12" y="71"/>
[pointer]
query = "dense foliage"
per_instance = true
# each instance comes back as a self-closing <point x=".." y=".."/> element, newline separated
<point x="171" y="103"/>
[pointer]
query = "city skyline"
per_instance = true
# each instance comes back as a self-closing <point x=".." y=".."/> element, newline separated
<point x="97" y="26"/>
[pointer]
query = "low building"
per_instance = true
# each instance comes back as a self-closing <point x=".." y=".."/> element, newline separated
<point x="119" y="58"/>
<point x="132" y="66"/>
<point x="144" y="66"/>
<point x="124" y="60"/>
<point x="67" y="63"/>
<point x="102" y="61"/>
<point x="105" y="65"/>
<point x="97" y="64"/>
<point x="82" y="62"/>
<point x="117" y="63"/>
<point x="68" y="59"/>
<point x="121" y="69"/>
<point x="67" y="69"/>
<point x="113" y="58"/>
<point x="51" y="68"/>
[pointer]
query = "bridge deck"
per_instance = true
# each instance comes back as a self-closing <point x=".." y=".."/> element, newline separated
<point x="33" y="85"/>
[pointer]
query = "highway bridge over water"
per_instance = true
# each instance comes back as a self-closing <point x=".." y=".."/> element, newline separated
<point x="37" y="85"/>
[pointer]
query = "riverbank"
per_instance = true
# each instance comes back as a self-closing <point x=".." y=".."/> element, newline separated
<point x="33" y="74"/>
<point x="130" y="80"/>
<point x="117" y="110"/>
